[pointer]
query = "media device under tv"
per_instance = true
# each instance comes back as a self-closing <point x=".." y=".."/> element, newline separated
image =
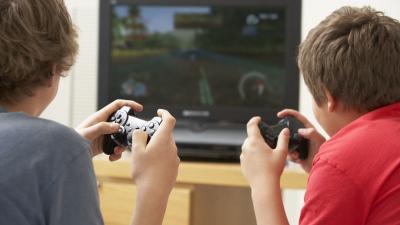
<point x="212" y="63"/>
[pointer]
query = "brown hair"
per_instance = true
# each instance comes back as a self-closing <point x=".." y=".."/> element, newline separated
<point x="35" y="37"/>
<point x="355" y="55"/>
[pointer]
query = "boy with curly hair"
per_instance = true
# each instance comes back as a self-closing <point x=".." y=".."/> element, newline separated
<point x="46" y="172"/>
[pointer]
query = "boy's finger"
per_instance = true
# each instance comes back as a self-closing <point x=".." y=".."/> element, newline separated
<point x="294" y="156"/>
<point x="119" y="150"/>
<point x="168" y="121"/>
<point x="296" y="114"/>
<point x="99" y="129"/>
<point x="308" y="133"/>
<point x="252" y="127"/>
<point x="117" y="104"/>
<point x="114" y="157"/>
<point x="104" y="113"/>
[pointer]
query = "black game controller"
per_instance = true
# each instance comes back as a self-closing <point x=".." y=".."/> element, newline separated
<point x="128" y="122"/>
<point x="297" y="143"/>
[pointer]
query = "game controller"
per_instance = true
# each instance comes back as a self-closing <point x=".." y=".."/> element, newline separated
<point x="128" y="122"/>
<point x="297" y="143"/>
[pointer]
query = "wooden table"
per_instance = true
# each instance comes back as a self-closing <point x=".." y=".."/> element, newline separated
<point x="219" y="174"/>
<point x="205" y="193"/>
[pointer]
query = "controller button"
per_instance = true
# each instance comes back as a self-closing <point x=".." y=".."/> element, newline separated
<point x="112" y="118"/>
<point x="119" y="116"/>
<point x="151" y="125"/>
<point x="129" y="139"/>
<point x="128" y="124"/>
<point x="121" y="130"/>
<point x="144" y="128"/>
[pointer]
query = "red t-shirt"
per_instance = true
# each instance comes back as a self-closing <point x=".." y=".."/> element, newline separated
<point x="355" y="178"/>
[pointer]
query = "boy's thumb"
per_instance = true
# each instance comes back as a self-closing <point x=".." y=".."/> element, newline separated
<point x="139" y="140"/>
<point x="283" y="140"/>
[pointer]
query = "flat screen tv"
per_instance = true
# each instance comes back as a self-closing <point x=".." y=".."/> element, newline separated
<point x="212" y="63"/>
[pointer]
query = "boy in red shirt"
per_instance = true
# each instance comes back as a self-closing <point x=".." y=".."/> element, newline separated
<point x="350" y="63"/>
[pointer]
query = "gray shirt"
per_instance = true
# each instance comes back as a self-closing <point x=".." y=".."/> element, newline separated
<point x="46" y="174"/>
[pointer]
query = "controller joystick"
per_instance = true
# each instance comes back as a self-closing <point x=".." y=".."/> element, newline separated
<point x="128" y="122"/>
<point x="297" y="143"/>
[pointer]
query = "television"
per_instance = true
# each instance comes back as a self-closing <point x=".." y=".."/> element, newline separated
<point x="212" y="63"/>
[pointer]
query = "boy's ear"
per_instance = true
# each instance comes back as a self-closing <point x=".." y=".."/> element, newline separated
<point x="331" y="101"/>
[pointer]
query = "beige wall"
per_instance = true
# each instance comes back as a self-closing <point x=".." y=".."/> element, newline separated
<point x="77" y="95"/>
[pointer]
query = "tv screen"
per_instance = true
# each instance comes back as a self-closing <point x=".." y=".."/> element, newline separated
<point x="219" y="61"/>
<point x="199" y="56"/>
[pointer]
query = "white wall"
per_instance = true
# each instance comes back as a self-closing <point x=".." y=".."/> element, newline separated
<point x="76" y="98"/>
<point x="77" y="95"/>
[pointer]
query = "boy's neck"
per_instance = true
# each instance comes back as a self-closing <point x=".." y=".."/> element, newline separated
<point x="36" y="103"/>
<point x="31" y="105"/>
<point x="342" y="119"/>
<point x="26" y="106"/>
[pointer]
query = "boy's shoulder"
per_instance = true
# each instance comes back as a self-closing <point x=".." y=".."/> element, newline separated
<point x="19" y="130"/>
<point x="369" y="143"/>
<point x="373" y="129"/>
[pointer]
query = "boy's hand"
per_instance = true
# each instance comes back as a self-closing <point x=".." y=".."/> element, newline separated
<point x="95" y="127"/>
<point x="155" y="164"/>
<point x="260" y="164"/>
<point x="315" y="139"/>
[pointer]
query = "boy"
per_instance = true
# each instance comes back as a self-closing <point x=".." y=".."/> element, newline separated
<point x="350" y="63"/>
<point x="46" y="173"/>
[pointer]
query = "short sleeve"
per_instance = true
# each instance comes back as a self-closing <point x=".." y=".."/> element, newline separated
<point x="332" y="197"/>
<point x="73" y="196"/>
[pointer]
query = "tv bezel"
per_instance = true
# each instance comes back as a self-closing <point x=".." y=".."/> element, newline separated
<point x="211" y="115"/>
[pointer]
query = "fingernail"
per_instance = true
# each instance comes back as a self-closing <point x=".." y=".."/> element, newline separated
<point x="286" y="132"/>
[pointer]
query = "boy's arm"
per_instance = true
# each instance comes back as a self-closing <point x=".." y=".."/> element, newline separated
<point x="262" y="167"/>
<point x="154" y="171"/>
<point x="268" y="204"/>
<point x="150" y="206"/>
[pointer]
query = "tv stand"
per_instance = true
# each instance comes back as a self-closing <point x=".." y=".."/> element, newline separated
<point x="218" y="143"/>
<point x="205" y="193"/>
<point x="208" y="153"/>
